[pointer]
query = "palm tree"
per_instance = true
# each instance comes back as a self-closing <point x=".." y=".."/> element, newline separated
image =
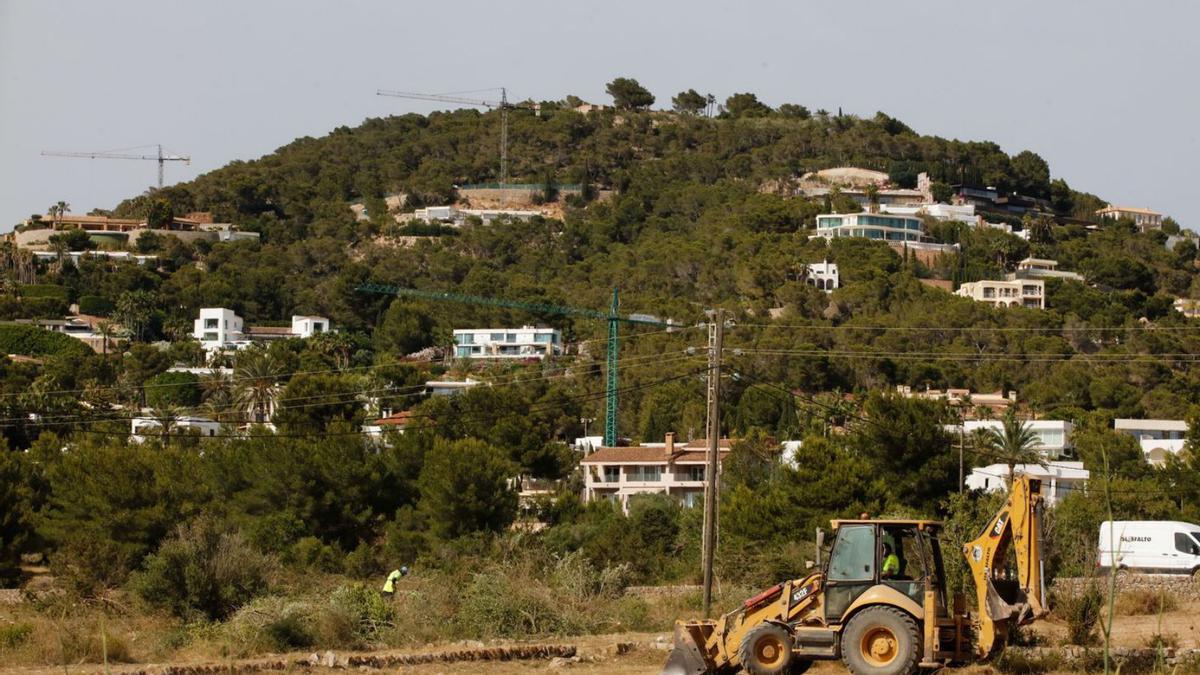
<point x="59" y="210"/>
<point x="1014" y="441"/>
<point x="257" y="375"/>
<point x="167" y="417"/>
<point x="107" y="330"/>
<point x="216" y="391"/>
<point x="872" y="193"/>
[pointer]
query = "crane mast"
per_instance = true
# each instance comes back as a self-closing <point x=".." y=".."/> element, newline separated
<point x="503" y="105"/>
<point x="612" y="316"/>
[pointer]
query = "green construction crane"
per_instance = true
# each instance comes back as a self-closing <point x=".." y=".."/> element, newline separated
<point x="612" y="317"/>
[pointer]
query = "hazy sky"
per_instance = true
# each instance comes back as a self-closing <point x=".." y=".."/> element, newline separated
<point x="1105" y="91"/>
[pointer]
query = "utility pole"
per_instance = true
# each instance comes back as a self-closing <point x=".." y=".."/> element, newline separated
<point x="961" y="430"/>
<point x="716" y="335"/>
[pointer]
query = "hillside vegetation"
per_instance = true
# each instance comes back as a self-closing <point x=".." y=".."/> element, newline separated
<point x="685" y="224"/>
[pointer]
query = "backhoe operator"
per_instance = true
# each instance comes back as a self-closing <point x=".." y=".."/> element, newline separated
<point x="891" y="563"/>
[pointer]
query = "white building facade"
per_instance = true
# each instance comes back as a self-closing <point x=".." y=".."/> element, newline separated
<point x="678" y="470"/>
<point x="1030" y="293"/>
<point x="308" y="326"/>
<point x="823" y="275"/>
<point x="1157" y="438"/>
<point x="142" y="427"/>
<point x="1053" y="436"/>
<point x="526" y="342"/>
<point x="218" y="328"/>
<point x="1059" y="479"/>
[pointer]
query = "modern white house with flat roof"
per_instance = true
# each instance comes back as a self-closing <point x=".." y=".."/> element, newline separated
<point x="963" y="213"/>
<point x="1053" y="436"/>
<point x="1059" y="479"/>
<point x="526" y="342"/>
<point x="897" y="231"/>
<point x="881" y="226"/>
<point x="143" y="427"/>
<point x="1029" y="293"/>
<point x="676" y="469"/>
<point x="218" y="328"/>
<point x="449" y="387"/>
<point x="1158" y="438"/>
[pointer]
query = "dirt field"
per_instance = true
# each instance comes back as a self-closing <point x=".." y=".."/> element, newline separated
<point x="644" y="653"/>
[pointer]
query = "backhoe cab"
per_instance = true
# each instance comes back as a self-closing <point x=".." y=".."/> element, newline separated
<point x="880" y="617"/>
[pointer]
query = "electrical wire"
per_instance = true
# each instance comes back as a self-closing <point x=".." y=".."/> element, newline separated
<point x="70" y="420"/>
<point x="1141" y="357"/>
<point x="432" y="423"/>
<point x="285" y="375"/>
<point x="969" y="329"/>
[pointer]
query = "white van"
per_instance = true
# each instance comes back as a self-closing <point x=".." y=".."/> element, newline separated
<point x="1150" y="546"/>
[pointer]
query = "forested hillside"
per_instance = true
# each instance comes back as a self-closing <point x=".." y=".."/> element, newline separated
<point x="677" y="212"/>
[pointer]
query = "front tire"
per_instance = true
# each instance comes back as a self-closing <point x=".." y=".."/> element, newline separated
<point x="881" y="641"/>
<point x="767" y="650"/>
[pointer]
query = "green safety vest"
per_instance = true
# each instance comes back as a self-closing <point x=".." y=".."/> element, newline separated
<point x="891" y="564"/>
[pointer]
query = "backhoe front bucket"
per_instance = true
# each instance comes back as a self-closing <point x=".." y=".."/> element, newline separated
<point x="687" y="656"/>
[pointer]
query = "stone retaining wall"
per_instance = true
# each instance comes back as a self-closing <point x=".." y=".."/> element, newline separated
<point x="1179" y="585"/>
<point x="1091" y="659"/>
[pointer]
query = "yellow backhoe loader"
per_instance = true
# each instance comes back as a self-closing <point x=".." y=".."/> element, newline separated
<point x="879" y="602"/>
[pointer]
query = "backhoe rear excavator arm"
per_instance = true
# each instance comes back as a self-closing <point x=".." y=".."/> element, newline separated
<point x="1002" y="603"/>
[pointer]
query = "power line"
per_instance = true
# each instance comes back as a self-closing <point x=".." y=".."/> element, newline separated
<point x="290" y="374"/>
<point x="433" y="424"/>
<point x="335" y="399"/>
<point x="970" y="329"/>
<point x="1141" y="357"/>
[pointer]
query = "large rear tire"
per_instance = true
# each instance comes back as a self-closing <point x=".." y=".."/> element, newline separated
<point x="766" y="650"/>
<point x="881" y="641"/>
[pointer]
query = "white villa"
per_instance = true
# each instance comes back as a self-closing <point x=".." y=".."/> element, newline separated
<point x="1054" y="436"/>
<point x="1058" y="479"/>
<point x="616" y="474"/>
<point x="823" y="275"/>
<point x="1029" y="293"/>
<point x="1158" y="438"/>
<point x="526" y="342"/>
<point x="218" y="328"/>
<point x="142" y="427"/>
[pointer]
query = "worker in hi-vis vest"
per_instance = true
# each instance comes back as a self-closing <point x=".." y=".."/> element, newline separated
<point x="389" y="586"/>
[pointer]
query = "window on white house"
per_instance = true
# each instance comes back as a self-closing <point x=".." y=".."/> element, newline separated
<point x="612" y="474"/>
<point x="643" y="474"/>
<point x="211" y="323"/>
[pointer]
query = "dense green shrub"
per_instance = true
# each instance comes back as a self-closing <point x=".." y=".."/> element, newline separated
<point x="44" y="308"/>
<point x="34" y="341"/>
<point x="95" y="305"/>
<point x="204" y="570"/>
<point x="45" y="291"/>
<point x="173" y="389"/>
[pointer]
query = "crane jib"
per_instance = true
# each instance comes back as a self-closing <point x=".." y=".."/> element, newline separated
<point x="538" y="307"/>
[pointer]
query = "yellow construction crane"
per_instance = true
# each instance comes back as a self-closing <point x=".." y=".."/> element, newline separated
<point x="159" y="157"/>
<point x="503" y="105"/>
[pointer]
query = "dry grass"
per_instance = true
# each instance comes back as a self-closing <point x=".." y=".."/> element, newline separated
<point x="1140" y="602"/>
